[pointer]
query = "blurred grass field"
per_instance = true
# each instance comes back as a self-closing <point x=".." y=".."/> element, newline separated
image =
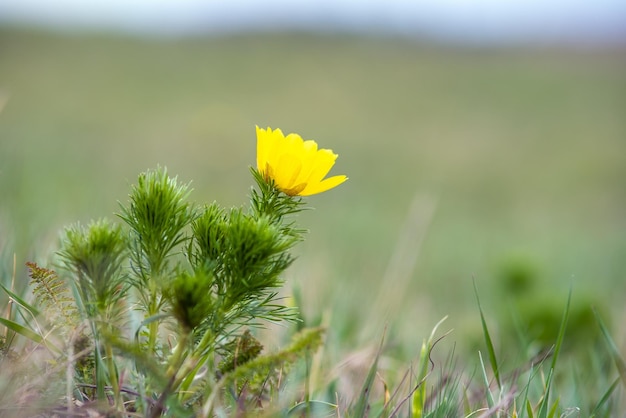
<point x="503" y="165"/>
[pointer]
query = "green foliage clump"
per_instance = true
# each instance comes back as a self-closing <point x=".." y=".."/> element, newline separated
<point x="157" y="214"/>
<point x="94" y="256"/>
<point x="246" y="254"/>
<point x="156" y="313"/>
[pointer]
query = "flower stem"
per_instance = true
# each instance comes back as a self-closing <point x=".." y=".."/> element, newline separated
<point x="113" y="375"/>
<point x="153" y="327"/>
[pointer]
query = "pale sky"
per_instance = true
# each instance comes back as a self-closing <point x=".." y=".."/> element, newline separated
<point x="453" y="19"/>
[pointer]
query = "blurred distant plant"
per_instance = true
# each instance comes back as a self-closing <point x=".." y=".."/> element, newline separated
<point x="535" y="318"/>
<point x="518" y="275"/>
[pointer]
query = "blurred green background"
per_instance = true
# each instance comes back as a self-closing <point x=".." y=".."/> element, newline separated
<point x="503" y="165"/>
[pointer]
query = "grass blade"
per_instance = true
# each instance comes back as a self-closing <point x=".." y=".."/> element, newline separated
<point x="321" y="408"/>
<point x="490" y="349"/>
<point x="418" y="401"/>
<point x="490" y="401"/>
<point x="617" y="358"/>
<point x="524" y="397"/>
<point x="22" y="330"/>
<point x="543" y="409"/>
<point x="361" y="408"/>
<point x="34" y="311"/>
<point x="529" y="409"/>
<point x="552" y="412"/>
<point x="605" y="397"/>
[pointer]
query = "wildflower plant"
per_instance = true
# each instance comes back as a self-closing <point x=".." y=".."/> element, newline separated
<point x="165" y="303"/>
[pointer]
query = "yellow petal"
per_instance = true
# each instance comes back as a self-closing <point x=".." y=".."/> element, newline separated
<point x="276" y="139"/>
<point x="292" y="144"/>
<point x="261" y="149"/>
<point x="309" y="157"/>
<point x="286" y="171"/>
<point x="268" y="148"/>
<point x="323" y="162"/>
<point x="322" y="186"/>
<point x="309" y="146"/>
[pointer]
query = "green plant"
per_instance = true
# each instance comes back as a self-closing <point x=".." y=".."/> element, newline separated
<point x="162" y="307"/>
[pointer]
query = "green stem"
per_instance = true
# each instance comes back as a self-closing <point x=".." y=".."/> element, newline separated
<point x="153" y="327"/>
<point x="198" y="358"/>
<point x="307" y="385"/>
<point x="113" y="377"/>
<point x="176" y="362"/>
<point x="205" y="342"/>
<point x="177" y="357"/>
<point x="187" y="378"/>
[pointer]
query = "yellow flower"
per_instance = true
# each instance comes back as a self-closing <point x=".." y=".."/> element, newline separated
<point x="297" y="167"/>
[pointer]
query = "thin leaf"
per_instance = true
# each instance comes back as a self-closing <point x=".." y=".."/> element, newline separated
<point x="150" y="320"/>
<point x="385" y="412"/>
<point x="532" y="373"/>
<point x="361" y="408"/>
<point x="418" y="397"/>
<point x="21" y="301"/>
<point x="490" y="401"/>
<point x="543" y="409"/>
<point x="617" y="358"/>
<point x="490" y="349"/>
<point x="529" y="409"/>
<point x="101" y="375"/>
<point x="605" y="397"/>
<point x="466" y="403"/>
<point x="553" y="409"/>
<point x="28" y="333"/>
<point x="319" y="407"/>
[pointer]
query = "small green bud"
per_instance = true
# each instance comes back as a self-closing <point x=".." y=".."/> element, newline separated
<point x="191" y="298"/>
